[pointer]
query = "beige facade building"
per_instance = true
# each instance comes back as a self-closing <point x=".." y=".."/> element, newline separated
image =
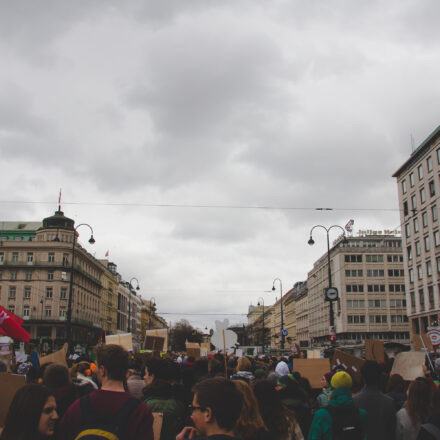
<point x="34" y="282"/>
<point x="301" y="299"/>
<point x="418" y="189"/>
<point x="368" y="273"/>
<point x="109" y="298"/>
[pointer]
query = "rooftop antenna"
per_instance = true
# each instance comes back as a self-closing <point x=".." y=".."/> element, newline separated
<point x="59" y="201"/>
<point x="413" y="146"/>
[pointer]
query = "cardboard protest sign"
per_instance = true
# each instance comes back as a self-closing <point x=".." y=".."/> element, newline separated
<point x="409" y="364"/>
<point x="239" y="352"/>
<point x="193" y="350"/>
<point x="154" y="343"/>
<point x="416" y="342"/>
<point x="313" y="354"/>
<point x="9" y="385"/>
<point x="58" y="357"/>
<point x="374" y="350"/>
<point x="125" y="340"/>
<point x="312" y="369"/>
<point x="160" y="333"/>
<point x="157" y="425"/>
<point x="349" y="363"/>
<point x="205" y="346"/>
<point x="6" y="355"/>
<point x="222" y="337"/>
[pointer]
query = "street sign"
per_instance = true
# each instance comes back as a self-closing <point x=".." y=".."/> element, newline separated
<point x="332" y="333"/>
<point x="330" y="294"/>
<point x="284" y="332"/>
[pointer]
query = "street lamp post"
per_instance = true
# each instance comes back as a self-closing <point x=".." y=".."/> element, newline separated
<point x="282" y="314"/>
<point x="151" y="308"/>
<point x="129" y="302"/>
<point x="311" y="242"/>
<point x="69" y="303"/>
<point x="262" y="340"/>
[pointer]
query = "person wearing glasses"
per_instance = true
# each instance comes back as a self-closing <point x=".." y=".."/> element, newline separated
<point x="215" y="409"/>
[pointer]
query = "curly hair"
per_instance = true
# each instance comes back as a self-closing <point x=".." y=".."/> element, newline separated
<point x="250" y="420"/>
<point x="244" y="364"/>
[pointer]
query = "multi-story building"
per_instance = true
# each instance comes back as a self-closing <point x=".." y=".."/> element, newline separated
<point x="418" y="189"/>
<point x="109" y="297"/>
<point x="368" y="272"/>
<point x="300" y="293"/>
<point x="35" y="270"/>
<point x="289" y="310"/>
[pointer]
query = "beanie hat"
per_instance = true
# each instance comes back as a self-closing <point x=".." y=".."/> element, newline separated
<point x="341" y="379"/>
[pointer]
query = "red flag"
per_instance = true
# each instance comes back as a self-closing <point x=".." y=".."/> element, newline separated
<point x="59" y="198"/>
<point x="106" y="254"/>
<point x="11" y="325"/>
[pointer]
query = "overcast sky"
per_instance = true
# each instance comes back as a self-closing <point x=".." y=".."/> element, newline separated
<point x="242" y="103"/>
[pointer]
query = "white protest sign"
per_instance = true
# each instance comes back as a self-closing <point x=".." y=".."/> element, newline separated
<point x="217" y="337"/>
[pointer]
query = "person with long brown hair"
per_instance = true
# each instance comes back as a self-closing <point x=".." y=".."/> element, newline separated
<point x="250" y="425"/>
<point x="415" y="412"/>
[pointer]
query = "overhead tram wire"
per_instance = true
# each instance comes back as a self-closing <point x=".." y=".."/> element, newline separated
<point x="196" y="206"/>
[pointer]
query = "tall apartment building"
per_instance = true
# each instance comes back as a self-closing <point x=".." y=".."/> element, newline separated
<point x="109" y="297"/>
<point x="418" y="189"/>
<point x="35" y="270"/>
<point x="368" y="272"/>
<point x="300" y="295"/>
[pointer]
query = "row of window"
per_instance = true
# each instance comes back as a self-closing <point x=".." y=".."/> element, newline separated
<point x="360" y="303"/>
<point x="375" y="319"/>
<point x="28" y="275"/>
<point x="30" y="257"/>
<point x="372" y="243"/>
<point x="359" y="288"/>
<point x="27" y="291"/>
<point x="378" y="273"/>
<point x="372" y="258"/>
<point x="419" y="269"/>
<point x="47" y="312"/>
<point x="420" y="172"/>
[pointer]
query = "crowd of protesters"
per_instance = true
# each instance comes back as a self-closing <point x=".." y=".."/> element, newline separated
<point x="248" y="398"/>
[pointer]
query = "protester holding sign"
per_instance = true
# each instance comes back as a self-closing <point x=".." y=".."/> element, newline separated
<point x="32" y="414"/>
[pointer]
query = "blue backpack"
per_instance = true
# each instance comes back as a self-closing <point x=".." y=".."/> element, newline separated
<point x="97" y="428"/>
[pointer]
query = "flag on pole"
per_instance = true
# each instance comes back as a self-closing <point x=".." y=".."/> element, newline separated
<point x="106" y="254"/>
<point x="59" y="201"/>
<point x="10" y="324"/>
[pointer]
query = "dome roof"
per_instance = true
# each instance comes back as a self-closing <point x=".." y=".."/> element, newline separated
<point x="58" y="221"/>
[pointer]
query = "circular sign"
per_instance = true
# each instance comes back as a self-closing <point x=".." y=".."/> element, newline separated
<point x="434" y="335"/>
<point x="284" y="332"/>
<point x="331" y="293"/>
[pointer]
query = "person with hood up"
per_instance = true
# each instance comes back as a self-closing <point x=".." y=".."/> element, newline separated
<point x="282" y="369"/>
<point x="341" y="414"/>
<point x="243" y="371"/>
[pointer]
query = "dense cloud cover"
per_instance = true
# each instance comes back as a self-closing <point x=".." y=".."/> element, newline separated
<point x="233" y="103"/>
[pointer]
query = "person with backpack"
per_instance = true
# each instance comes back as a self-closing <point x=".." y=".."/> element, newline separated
<point x="431" y="429"/>
<point x="109" y="412"/>
<point x="381" y="424"/>
<point x="340" y="420"/>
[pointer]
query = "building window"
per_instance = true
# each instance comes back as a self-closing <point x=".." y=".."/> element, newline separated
<point x="50" y="275"/>
<point x="413" y="299"/>
<point x="413" y="202"/>
<point x="15" y="257"/>
<point x="13" y="275"/>
<point x="431" y="187"/>
<point x="374" y="258"/>
<point x="62" y="313"/>
<point x="431" y="296"/>
<point x="438" y="264"/>
<point x="65" y="259"/>
<point x="11" y="309"/>
<point x="395" y="272"/>
<point x="429" y="163"/>
<point x="12" y="291"/>
<point x="27" y="293"/>
<point x="409" y="252"/>
<point x="404" y="186"/>
<point x="428" y="268"/>
<point x="419" y="272"/>
<point x="438" y="156"/>
<point x="422" y="298"/>
<point x="48" y="312"/>
<point x="2" y="257"/>
<point x="422" y="195"/>
<point x="395" y="258"/>
<point x="405" y="208"/>
<point x="436" y="238"/>
<point x="407" y="230"/>
<point x="426" y="240"/>
<point x="416" y="225"/>
<point x="375" y="273"/>
<point x="26" y="312"/>
<point x="411" y="179"/>
<point x="411" y="275"/>
<point x="434" y="213"/>
<point x="49" y="292"/>
<point x="353" y="258"/>
<point x="354" y="273"/>
<point x="63" y="294"/>
<point x="425" y="219"/>
<point x="420" y="171"/>
<point x="51" y="257"/>
<point x="29" y="257"/>
<point x="418" y="249"/>
<point x="28" y="275"/>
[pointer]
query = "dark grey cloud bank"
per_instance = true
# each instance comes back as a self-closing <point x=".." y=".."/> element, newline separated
<point x="250" y="103"/>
